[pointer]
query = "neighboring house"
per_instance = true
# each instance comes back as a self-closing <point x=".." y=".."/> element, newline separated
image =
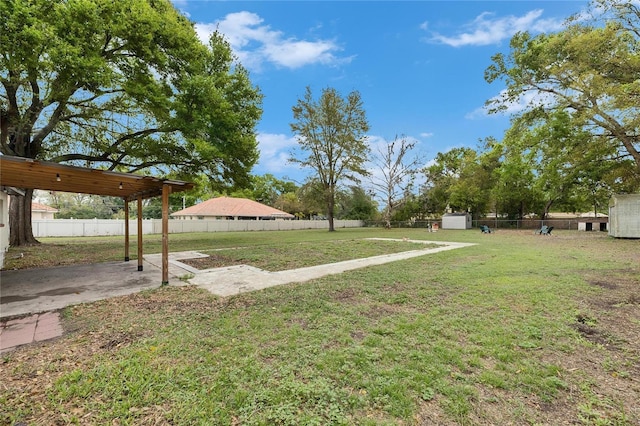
<point x="42" y="212"/>
<point x="228" y="208"/>
<point x="624" y="216"/>
<point x="562" y="215"/>
<point x="456" y="221"/>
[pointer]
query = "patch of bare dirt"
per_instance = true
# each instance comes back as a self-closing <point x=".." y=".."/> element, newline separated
<point x="212" y="261"/>
<point x="609" y="359"/>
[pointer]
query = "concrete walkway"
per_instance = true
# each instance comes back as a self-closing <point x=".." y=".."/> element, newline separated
<point x="34" y="293"/>
<point x="239" y="279"/>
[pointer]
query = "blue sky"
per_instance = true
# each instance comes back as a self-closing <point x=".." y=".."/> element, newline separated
<point x="418" y="65"/>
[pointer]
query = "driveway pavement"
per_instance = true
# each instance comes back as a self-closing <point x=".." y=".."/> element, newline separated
<point x="34" y="291"/>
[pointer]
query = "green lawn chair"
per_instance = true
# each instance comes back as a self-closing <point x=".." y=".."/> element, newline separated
<point x="543" y="231"/>
<point x="485" y="229"/>
<point x="547" y="231"/>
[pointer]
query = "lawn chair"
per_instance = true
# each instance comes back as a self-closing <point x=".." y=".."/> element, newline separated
<point x="543" y="231"/>
<point x="547" y="231"/>
<point x="485" y="229"/>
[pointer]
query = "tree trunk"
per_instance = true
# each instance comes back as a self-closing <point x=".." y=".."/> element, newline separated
<point x="330" y="209"/>
<point x="387" y="213"/>
<point x="547" y="207"/>
<point x="20" y="230"/>
<point x="330" y="217"/>
<point x="387" y="220"/>
<point x="521" y="211"/>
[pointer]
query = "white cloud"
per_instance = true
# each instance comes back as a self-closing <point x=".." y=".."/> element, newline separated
<point x="295" y="54"/>
<point x="479" y="112"/>
<point x="430" y="163"/>
<point x="204" y="31"/>
<point x="426" y="134"/>
<point x="518" y="105"/>
<point x="256" y="43"/>
<point x="274" y="151"/>
<point x="180" y="5"/>
<point x="486" y="29"/>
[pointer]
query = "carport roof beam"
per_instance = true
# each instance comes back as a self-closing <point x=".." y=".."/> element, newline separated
<point x="34" y="174"/>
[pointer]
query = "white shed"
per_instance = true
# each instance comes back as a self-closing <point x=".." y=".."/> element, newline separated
<point x="624" y="216"/>
<point x="456" y="221"/>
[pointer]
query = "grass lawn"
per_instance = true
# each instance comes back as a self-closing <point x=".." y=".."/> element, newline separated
<point x="519" y="329"/>
<point x="292" y="255"/>
<point x="273" y="250"/>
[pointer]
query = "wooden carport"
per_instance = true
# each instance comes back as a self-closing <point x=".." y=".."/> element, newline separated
<point x="27" y="173"/>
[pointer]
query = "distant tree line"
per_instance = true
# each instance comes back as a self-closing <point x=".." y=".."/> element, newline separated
<point x="302" y="201"/>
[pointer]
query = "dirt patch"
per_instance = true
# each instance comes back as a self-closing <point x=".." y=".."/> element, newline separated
<point x="609" y="321"/>
<point x="623" y="286"/>
<point x="346" y="295"/>
<point x="592" y="334"/>
<point x="212" y="261"/>
<point x="303" y="254"/>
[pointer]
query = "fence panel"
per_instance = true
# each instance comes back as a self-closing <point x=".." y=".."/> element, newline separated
<point x="533" y="224"/>
<point x="104" y="227"/>
<point x="491" y="223"/>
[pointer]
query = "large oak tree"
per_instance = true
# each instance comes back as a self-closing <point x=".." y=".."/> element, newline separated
<point x="590" y="70"/>
<point x="121" y="85"/>
<point x="566" y="166"/>
<point x="331" y="134"/>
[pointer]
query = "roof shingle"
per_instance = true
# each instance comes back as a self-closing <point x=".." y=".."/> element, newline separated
<point x="37" y="207"/>
<point x="234" y="207"/>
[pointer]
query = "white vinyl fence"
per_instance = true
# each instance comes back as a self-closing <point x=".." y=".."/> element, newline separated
<point x="97" y="227"/>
